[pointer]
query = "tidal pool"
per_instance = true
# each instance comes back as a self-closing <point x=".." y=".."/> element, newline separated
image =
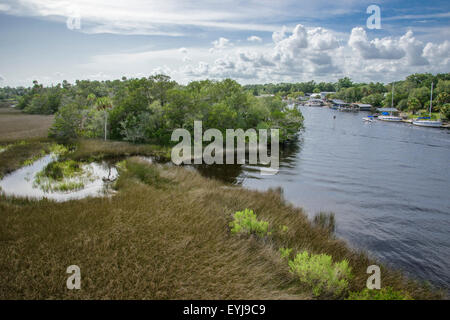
<point x="21" y="183"/>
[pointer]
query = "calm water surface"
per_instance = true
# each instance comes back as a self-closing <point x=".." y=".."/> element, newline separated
<point x="20" y="183"/>
<point x="387" y="183"/>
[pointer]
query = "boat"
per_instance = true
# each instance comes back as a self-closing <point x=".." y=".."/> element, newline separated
<point x="426" y="121"/>
<point x="368" y="119"/>
<point x="391" y="118"/>
<point x="387" y="114"/>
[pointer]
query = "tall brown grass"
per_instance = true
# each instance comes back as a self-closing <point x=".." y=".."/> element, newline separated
<point x="15" y="125"/>
<point x="15" y="155"/>
<point x="164" y="239"/>
<point x="99" y="149"/>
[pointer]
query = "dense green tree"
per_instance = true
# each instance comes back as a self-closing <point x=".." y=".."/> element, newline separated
<point x="414" y="105"/>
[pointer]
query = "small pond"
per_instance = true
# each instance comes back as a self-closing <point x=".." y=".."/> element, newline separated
<point x="22" y="182"/>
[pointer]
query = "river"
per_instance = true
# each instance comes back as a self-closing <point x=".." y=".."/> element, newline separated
<point x="387" y="183"/>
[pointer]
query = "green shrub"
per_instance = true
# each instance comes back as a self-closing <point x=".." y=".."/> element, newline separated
<point x="387" y="293"/>
<point x="246" y="222"/>
<point x="285" y="252"/>
<point x="320" y="273"/>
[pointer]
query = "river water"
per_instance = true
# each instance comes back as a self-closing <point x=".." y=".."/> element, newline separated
<point x="387" y="183"/>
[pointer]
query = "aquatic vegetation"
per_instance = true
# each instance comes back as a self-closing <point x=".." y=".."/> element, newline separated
<point x="55" y="149"/>
<point x="246" y="222"/>
<point x="58" y="149"/>
<point x="63" y="176"/>
<point x="387" y="293"/>
<point x="35" y="158"/>
<point x="320" y="273"/>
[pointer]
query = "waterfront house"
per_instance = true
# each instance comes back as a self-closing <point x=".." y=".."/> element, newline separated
<point x="337" y="103"/>
<point x="363" y="106"/>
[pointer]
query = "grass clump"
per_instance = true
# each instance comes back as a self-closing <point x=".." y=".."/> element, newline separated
<point x="63" y="176"/>
<point x="135" y="168"/>
<point x="60" y="170"/>
<point x="387" y="293"/>
<point x="325" y="221"/>
<point x="320" y="273"/>
<point x="246" y="222"/>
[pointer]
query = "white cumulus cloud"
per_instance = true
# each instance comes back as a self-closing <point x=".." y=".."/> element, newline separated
<point x="254" y="39"/>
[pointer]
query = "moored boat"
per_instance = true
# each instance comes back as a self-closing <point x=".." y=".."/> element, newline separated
<point x="426" y="121"/>
<point x="389" y="118"/>
<point x="388" y="114"/>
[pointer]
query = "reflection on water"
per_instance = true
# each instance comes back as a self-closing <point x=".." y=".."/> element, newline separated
<point x="388" y="184"/>
<point x="237" y="173"/>
<point x="20" y="182"/>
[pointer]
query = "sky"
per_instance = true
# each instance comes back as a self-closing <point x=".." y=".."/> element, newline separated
<point x="256" y="41"/>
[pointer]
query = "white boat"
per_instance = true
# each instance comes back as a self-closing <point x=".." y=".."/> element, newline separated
<point x="427" y="122"/>
<point x="390" y="118"/>
<point x="388" y="114"/>
<point x="368" y="119"/>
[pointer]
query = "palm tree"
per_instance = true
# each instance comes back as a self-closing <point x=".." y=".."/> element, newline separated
<point x="414" y="105"/>
<point x="104" y="103"/>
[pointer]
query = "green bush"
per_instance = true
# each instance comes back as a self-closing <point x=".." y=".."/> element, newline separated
<point x="246" y="222"/>
<point x="320" y="273"/>
<point x="387" y="293"/>
<point x="285" y="252"/>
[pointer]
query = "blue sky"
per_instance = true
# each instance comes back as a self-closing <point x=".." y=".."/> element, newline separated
<point x="250" y="41"/>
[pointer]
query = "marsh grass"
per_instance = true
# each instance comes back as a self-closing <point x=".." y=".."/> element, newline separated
<point x="15" y="125"/>
<point x="22" y="153"/>
<point x="326" y="221"/>
<point x="63" y="176"/>
<point x="138" y="169"/>
<point x="170" y="242"/>
<point x="93" y="149"/>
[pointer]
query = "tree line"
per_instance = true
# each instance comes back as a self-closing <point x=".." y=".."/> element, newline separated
<point x="149" y="109"/>
<point x="411" y="94"/>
